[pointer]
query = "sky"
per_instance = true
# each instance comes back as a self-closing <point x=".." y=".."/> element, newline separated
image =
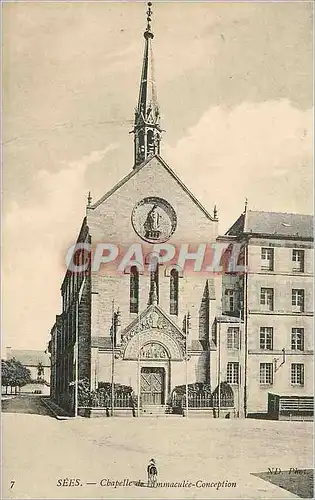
<point x="234" y="83"/>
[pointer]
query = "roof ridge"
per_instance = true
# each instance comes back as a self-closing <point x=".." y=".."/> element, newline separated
<point x="284" y="213"/>
<point x="140" y="167"/>
<point x="167" y="317"/>
<point x="180" y="182"/>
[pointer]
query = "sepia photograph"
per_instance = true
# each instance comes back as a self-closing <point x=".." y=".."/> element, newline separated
<point x="157" y="334"/>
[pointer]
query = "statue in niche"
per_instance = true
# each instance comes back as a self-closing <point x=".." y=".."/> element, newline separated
<point x="154" y="319"/>
<point x="152" y="224"/>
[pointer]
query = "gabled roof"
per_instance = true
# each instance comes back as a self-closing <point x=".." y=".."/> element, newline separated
<point x="29" y="357"/>
<point x="273" y="224"/>
<point x="106" y="342"/>
<point x="146" y="313"/>
<point x="135" y="172"/>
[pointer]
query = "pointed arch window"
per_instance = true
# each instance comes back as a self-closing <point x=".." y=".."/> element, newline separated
<point x="139" y="146"/>
<point x="174" y="275"/>
<point x="150" y="142"/>
<point x="134" y="289"/>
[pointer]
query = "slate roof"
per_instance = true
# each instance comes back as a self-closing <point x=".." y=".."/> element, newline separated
<point x="29" y="357"/>
<point x="228" y="319"/>
<point x="102" y="342"/>
<point x="274" y="224"/>
<point x="198" y="345"/>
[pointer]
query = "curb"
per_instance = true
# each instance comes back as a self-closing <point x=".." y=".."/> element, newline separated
<point x="53" y="411"/>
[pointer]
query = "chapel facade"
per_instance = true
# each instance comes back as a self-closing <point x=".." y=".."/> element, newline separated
<point x="150" y="323"/>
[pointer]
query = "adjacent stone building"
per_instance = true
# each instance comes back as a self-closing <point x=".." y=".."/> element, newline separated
<point x="37" y="362"/>
<point x="277" y="294"/>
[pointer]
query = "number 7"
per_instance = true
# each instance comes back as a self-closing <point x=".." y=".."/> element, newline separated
<point x="12" y="484"/>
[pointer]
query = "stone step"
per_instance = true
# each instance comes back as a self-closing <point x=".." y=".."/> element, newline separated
<point x="153" y="410"/>
<point x="161" y="415"/>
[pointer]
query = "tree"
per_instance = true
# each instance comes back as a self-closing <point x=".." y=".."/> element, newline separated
<point x="5" y="376"/>
<point x="14" y="374"/>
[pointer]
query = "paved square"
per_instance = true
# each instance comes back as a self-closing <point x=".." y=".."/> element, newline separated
<point x="49" y="458"/>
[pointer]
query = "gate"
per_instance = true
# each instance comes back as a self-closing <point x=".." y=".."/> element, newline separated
<point x="152" y="386"/>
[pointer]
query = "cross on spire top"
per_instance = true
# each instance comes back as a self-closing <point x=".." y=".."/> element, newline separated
<point x="149" y="18"/>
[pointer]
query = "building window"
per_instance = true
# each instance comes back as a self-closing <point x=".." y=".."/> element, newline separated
<point x="232" y="373"/>
<point x="266" y="338"/>
<point x="266" y="374"/>
<point x="230" y="300"/>
<point x="297" y="339"/>
<point x="297" y="374"/>
<point x="267" y="259"/>
<point x="266" y="298"/>
<point x="233" y="338"/>
<point x="174" y="291"/>
<point x="298" y="261"/>
<point x="297" y="300"/>
<point x="134" y="290"/>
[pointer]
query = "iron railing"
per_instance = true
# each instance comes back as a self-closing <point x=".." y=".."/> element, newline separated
<point x="103" y="400"/>
<point x="202" y="401"/>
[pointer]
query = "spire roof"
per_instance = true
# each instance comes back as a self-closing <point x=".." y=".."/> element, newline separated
<point x="147" y="114"/>
<point x="147" y="94"/>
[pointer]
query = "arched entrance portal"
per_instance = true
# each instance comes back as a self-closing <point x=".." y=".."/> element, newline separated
<point x="154" y="374"/>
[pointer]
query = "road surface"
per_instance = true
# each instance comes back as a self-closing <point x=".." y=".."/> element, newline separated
<point x="48" y="458"/>
<point x="25" y="404"/>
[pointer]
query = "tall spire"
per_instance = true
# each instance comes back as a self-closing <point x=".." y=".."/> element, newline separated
<point x="147" y="115"/>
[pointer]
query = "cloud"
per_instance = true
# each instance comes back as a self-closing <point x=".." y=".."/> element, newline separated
<point x="36" y="238"/>
<point x="262" y="151"/>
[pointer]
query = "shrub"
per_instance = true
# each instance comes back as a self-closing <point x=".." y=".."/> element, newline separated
<point x="119" y="389"/>
<point x="102" y="395"/>
<point x="196" y="389"/>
